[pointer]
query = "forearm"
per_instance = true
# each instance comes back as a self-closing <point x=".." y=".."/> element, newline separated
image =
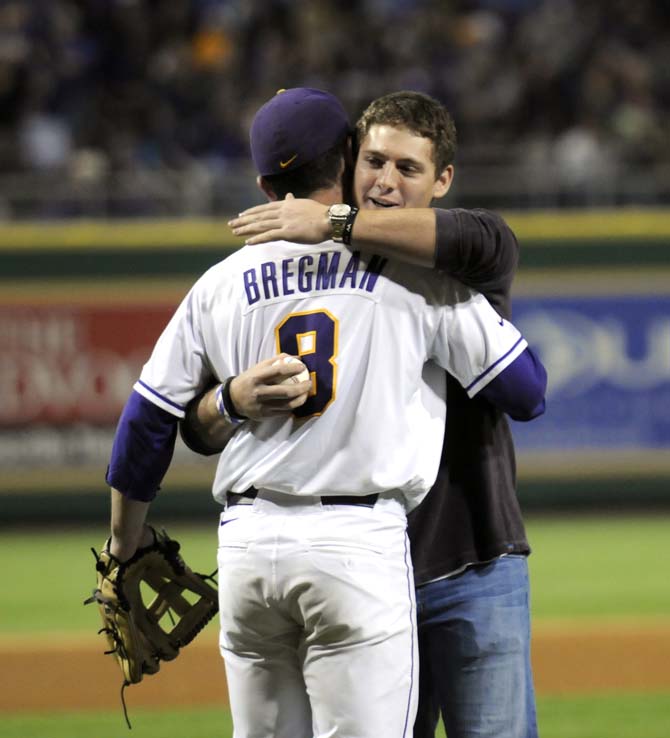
<point x="476" y="247"/>
<point x="128" y="527"/>
<point x="407" y="234"/>
<point x="141" y="454"/>
<point x="204" y="430"/>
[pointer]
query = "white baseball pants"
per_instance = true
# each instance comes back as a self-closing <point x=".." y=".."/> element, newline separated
<point x="318" y="618"/>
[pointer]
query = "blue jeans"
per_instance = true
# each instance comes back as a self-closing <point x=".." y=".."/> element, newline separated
<point x="474" y="653"/>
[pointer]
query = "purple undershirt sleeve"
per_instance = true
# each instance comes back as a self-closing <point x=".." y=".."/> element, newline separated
<point x="142" y="449"/>
<point x="519" y="389"/>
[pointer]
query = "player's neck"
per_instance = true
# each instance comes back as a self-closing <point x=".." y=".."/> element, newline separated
<point x="328" y="196"/>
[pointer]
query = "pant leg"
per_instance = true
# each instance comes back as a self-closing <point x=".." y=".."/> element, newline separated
<point x="360" y="652"/>
<point x="475" y="640"/>
<point x="267" y="694"/>
<point x="258" y="642"/>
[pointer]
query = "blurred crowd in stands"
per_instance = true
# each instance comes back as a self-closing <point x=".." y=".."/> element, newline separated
<point x="89" y="87"/>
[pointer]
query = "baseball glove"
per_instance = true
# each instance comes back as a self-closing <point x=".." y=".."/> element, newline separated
<point x="151" y="605"/>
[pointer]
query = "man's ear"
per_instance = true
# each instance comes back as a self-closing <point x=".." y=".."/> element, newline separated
<point x="266" y="188"/>
<point x="443" y="182"/>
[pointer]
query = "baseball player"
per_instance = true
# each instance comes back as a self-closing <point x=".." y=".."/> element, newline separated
<point x="318" y="628"/>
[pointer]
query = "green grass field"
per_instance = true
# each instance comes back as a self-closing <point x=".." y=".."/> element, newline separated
<point x="601" y="716"/>
<point x="600" y="567"/>
<point x="582" y="568"/>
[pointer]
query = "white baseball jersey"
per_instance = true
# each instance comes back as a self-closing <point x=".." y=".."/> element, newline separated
<point x="364" y="327"/>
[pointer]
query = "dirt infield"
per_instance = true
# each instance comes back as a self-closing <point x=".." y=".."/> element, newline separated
<point x="57" y="674"/>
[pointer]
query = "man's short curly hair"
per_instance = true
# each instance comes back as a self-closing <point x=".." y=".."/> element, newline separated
<point x="420" y="114"/>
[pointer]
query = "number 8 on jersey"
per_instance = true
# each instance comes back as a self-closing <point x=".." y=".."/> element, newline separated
<point x="312" y="336"/>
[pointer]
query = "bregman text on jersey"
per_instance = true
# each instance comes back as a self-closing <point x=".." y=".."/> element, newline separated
<point x="277" y="279"/>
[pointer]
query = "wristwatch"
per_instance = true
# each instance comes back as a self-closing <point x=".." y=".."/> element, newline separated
<point x="337" y="215"/>
<point x="341" y="219"/>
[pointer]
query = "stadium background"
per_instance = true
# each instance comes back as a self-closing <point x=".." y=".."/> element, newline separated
<point x="123" y="151"/>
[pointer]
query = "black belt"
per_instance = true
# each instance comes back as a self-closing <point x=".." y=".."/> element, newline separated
<point x="234" y="498"/>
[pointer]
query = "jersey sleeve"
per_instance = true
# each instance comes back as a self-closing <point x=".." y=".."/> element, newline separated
<point x="478" y="248"/>
<point x="178" y="368"/>
<point x="473" y="343"/>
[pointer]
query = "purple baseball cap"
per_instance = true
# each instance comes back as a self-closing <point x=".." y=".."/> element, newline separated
<point x="295" y="127"/>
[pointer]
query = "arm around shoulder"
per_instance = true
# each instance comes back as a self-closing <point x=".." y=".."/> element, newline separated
<point x="406" y="234"/>
<point x="477" y="247"/>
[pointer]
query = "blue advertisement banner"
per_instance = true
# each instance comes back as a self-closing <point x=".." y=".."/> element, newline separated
<point x="608" y="360"/>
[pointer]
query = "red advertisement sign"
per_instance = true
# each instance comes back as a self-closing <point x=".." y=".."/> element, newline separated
<point x="62" y="364"/>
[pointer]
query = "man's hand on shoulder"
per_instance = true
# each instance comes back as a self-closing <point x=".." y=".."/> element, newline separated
<point x="296" y="220"/>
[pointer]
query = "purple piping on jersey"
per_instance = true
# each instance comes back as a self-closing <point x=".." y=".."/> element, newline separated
<point x="494" y="365"/>
<point x="410" y="587"/>
<point x="165" y="399"/>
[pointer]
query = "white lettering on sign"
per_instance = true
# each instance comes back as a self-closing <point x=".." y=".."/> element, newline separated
<point x="91" y="386"/>
<point x="580" y="352"/>
<point x="40" y="334"/>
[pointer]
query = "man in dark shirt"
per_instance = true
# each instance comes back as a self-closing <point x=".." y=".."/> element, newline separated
<point x="469" y="546"/>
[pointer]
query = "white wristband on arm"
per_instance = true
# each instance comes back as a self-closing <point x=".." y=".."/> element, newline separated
<point x="224" y="403"/>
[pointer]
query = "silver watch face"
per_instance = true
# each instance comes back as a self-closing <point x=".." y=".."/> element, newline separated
<point x="339" y="211"/>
